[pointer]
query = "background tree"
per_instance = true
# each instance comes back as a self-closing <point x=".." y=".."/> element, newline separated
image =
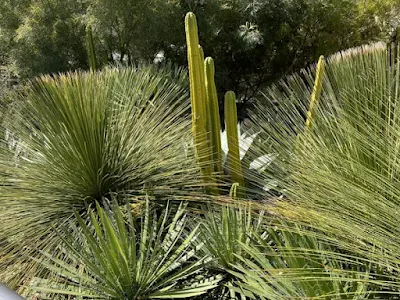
<point x="253" y="42"/>
<point x="44" y="36"/>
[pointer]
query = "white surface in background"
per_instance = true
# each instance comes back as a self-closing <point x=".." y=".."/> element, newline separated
<point x="7" y="294"/>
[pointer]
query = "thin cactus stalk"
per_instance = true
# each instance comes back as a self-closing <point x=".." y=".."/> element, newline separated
<point x="198" y="123"/>
<point x="213" y="112"/>
<point x="231" y="122"/>
<point x="204" y="107"/>
<point x="317" y="90"/>
<point x="90" y="49"/>
<point x="198" y="98"/>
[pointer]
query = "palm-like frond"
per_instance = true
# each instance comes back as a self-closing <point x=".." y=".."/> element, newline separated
<point x="224" y="228"/>
<point x="285" y="262"/>
<point x="84" y="136"/>
<point x="341" y="176"/>
<point x="125" y="260"/>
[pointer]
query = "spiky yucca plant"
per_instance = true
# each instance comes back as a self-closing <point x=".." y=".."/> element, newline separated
<point x="120" y="258"/>
<point x="263" y="257"/>
<point x="341" y="178"/>
<point x="82" y="137"/>
<point x="224" y="227"/>
<point x="224" y="230"/>
<point x="286" y="262"/>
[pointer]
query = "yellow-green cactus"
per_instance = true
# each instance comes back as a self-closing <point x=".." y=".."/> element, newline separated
<point x="199" y="127"/>
<point x="90" y="49"/>
<point x="316" y="94"/>
<point x="231" y="122"/>
<point x="198" y="99"/>
<point x="213" y="112"/>
<point x="204" y="107"/>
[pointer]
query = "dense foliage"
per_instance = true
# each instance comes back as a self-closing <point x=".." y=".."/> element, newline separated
<point x="332" y="233"/>
<point x="79" y="138"/>
<point x="103" y="193"/>
<point x="252" y="42"/>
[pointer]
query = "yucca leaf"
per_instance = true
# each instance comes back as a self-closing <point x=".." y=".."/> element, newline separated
<point x="111" y="270"/>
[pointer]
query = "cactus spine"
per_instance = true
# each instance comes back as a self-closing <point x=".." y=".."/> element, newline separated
<point x="213" y="112"/>
<point x="198" y="98"/>
<point x="90" y="49"/>
<point x="233" y="141"/>
<point x="316" y="94"/>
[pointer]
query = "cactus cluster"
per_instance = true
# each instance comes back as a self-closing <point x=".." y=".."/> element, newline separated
<point x="206" y="122"/>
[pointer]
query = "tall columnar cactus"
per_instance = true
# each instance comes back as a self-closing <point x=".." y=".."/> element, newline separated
<point x="205" y="107"/>
<point x="90" y="49"/>
<point x="198" y="97"/>
<point x="233" y="141"/>
<point x="316" y="94"/>
<point x="206" y="123"/>
<point x="213" y="112"/>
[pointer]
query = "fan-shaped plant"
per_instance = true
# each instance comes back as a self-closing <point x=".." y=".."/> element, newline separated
<point x="341" y="175"/>
<point x="287" y="262"/>
<point x="83" y="137"/>
<point x="122" y="259"/>
<point x="224" y="230"/>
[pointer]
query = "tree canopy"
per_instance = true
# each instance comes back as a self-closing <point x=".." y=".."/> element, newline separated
<point x="253" y="42"/>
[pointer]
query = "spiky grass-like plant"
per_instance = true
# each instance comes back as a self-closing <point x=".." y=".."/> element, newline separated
<point x="263" y="257"/>
<point x="224" y="229"/>
<point x="154" y="258"/>
<point x="341" y="177"/>
<point x="83" y="137"/>
<point x="285" y="262"/>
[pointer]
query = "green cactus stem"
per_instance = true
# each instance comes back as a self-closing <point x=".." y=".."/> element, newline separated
<point x="213" y="113"/>
<point x="198" y="122"/>
<point x="231" y="122"/>
<point x="90" y="49"/>
<point x="198" y="99"/>
<point x="204" y="113"/>
<point x="317" y="90"/>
